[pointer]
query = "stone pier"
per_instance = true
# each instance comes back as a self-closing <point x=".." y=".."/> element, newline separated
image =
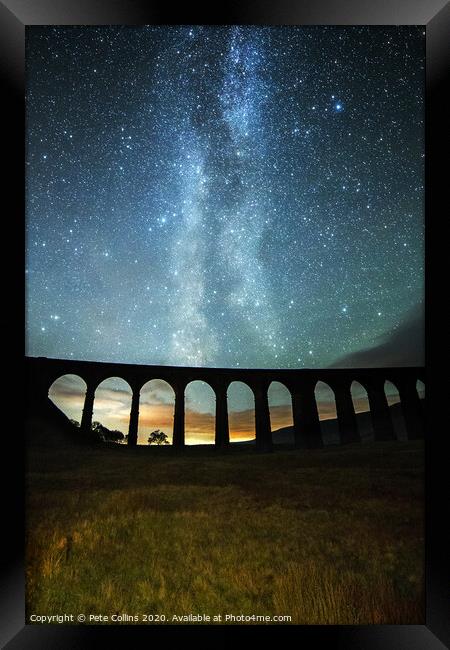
<point x="301" y="383"/>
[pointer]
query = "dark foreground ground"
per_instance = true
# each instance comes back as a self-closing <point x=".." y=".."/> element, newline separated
<point x="328" y="536"/>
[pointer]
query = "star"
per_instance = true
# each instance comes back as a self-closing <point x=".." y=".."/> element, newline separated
<point x="205" y="184"/>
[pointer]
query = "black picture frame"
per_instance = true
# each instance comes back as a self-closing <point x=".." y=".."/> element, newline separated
<point x="15" y="15"/>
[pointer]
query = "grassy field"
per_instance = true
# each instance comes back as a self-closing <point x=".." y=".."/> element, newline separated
<point x="332" y="536"/>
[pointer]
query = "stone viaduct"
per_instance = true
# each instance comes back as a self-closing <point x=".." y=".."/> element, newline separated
<point x="42" y="372"/>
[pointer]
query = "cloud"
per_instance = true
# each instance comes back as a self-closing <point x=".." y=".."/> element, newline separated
<point x="242" y="423"/>
<point x="278" y="394"/>
<point x="281" y="416"/>
<point x="156" y="416"/>
<point x="360" y="404"/>
<point x="401" y="346"/>
<point x="196" y="422"/>
<point x="67" y="385"/>
<point x="156" y="410"/>
<point x="157" y="391"/>
<point x="327" y="410"/>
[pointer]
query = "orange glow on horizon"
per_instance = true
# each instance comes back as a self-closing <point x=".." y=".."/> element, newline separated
<point x="112" y="408"/>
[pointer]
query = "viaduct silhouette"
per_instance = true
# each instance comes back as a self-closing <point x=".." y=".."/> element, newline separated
<point x="42" y="372"/>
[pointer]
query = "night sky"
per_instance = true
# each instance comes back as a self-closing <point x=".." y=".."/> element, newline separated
<point x="224" y="196"/>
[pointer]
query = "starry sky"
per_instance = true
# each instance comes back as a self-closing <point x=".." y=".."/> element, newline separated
<point x="232" y="196"/>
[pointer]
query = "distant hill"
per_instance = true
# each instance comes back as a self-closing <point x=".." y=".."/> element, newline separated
<point x="47" y="426"/>
<point x="330" y="430"/>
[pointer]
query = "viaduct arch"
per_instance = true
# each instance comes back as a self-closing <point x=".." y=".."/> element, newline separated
<point x="42" y="372"/>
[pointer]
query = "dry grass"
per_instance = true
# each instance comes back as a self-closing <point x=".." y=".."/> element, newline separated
<point x="333" y="536"/>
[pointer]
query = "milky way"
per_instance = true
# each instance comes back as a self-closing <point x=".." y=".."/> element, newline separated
<point x="223" y="196"/>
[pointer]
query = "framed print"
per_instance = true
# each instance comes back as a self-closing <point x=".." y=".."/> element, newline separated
<point x="228" y="400"/>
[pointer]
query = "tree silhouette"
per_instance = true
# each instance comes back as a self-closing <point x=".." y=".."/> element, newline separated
<point x="106" y="435"/>
<point x="158" y="437"/>
<point x="98" y="430"/>
<point x="114" y="435"/>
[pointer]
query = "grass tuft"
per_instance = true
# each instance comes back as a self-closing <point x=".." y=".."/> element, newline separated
<point x="332" y="536"/>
